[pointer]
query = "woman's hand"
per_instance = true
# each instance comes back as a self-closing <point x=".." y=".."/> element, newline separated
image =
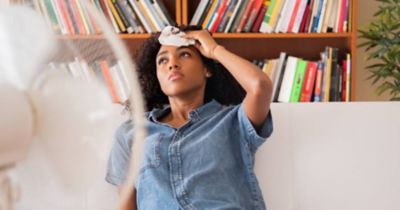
<point x="204" y="42"/>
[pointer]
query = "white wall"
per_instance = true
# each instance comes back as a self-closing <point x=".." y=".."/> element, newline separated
<point x="329" y="156"/>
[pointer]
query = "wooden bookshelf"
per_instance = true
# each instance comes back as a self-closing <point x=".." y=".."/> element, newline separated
<point x="256" y="45"/>
<point x="304" y="45"/>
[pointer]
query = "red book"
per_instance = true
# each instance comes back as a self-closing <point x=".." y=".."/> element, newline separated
<point x="110" y="84"/>
<point x="77" y="17"/>
<point x="342" y="7"/>
<point x="253" y="15"/>
<point x="344" y="75"/>
<point x="259" y="19"/>
<point x="307" y="18"/>
<point x="220" y="13"/>
<point x="304" y="19"/>
<point x="294" y="14"/>
<point x="65" y="16"/>
<point x="245" y="16"/>
<point x="309" y="80"/>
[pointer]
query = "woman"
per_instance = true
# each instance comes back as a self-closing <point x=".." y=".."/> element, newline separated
<point x="204" y="127"/>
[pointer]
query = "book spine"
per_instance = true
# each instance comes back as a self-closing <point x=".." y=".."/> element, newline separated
<point x="309" y="81"/>
<point x="298" y="80"/>
<point x="267" y="17"/>
<point x="260" y="16"/>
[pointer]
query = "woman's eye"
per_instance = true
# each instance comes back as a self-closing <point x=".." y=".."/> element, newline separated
<point x="185" y="54"/>
<point x="162" y="61"/>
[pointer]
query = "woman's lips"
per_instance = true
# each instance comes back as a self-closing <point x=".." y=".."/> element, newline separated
<point x="174" y="76"/>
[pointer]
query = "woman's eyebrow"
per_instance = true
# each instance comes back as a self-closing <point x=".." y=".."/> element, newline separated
<point x="161" y="53"/>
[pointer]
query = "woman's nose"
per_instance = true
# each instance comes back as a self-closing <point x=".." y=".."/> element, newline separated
<point x="173" y="66"/>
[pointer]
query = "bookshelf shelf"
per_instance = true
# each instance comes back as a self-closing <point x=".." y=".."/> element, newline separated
<point x="282" y="35"/>
<point x="258" y="45"/>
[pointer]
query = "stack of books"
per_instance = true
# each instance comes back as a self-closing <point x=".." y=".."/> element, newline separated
<point x="69" y="17"/>
<point x="299" y="80"/>
<point x="110" y="73"/>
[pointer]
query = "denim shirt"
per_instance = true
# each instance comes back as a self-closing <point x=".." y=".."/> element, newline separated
<point x="206" y="164"/>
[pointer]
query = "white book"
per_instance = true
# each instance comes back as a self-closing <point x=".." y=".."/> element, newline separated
<point x="124" y="77"/>
<point x="152" y="14"/>
<point x="299" y="16"/>
<point x="63" y="28"/>
<point x="199" y="11"/>
<point x="282" y="16"/>
<point x="321" y="16"/>
<point x="85" y="69"/>
<point x="75" y="69"/>
<point x="160" y="13"/>
<point x="278" y="70"/>
<point x="332" y="18"/>
<point x="142" y="18"/>
<point x="288" y="16"/>
<point x="328" y="15"/>
<point x="288" y="77"/>
<point x="233" y="17"/>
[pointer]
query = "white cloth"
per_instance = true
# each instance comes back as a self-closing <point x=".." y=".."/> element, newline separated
<point x="171" y="35"/>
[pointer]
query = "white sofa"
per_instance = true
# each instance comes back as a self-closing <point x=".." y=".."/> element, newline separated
<point x="330" y="156"/>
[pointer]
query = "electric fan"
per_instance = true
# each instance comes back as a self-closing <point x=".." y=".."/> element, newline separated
<point x="56" y="127"/>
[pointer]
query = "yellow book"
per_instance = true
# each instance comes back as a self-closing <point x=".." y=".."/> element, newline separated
<point x="84" y="21"/>
<point x="327" y="72"/>
<point x="209" y="14"/>
<point x="274" y="16"/>
<point x="147" y="16"/>
<point x="116" y="16"/>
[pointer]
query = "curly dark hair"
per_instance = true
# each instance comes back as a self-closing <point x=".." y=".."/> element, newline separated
<point x="221" y="86"/>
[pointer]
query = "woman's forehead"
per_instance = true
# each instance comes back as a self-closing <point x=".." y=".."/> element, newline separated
<point x="172" y="49"/>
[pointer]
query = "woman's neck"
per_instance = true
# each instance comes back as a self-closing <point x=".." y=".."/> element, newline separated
<point x="180" y="110"/>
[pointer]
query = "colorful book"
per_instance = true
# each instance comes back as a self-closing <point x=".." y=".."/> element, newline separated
<point x="298" y="80"/>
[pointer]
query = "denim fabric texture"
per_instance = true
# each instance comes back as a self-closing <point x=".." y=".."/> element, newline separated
<point x="206" y="164"/>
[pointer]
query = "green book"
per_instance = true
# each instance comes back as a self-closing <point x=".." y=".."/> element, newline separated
<point x="269" y="11"/>
<point x="298" y="80"/>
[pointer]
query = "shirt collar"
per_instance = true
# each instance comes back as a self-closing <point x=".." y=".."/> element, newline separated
<point x="203" y="111"/>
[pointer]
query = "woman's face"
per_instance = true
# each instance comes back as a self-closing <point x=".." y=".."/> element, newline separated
<point x="180" y="71"/>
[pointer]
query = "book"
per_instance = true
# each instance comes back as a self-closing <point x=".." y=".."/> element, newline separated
<point x="143" y="19"/>
<point x="278" y="76"/>
<point x="318" y="82"/>
<point x="298" y="80"/>
<point x="238" y="16"/>
<point x="199" y="11"/>
<point x="123" y="15"/>
<point x="149" y="12"/>
<point x="218" y="15"/>
<point x="245" y="16"/>
<point x="227" y="16"/>
<point x="309" y="82"/>
<point x="260" y="17"/>
<point x="267" y="16"/>
<point x="161" y="5"/>
<point x="210" y="14"/>
<point x="252" y="15"/>
<point x="288" y="77"/>
<point x="205" y="12"/>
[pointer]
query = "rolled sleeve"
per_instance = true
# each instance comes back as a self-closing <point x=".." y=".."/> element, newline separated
<point x="254" y="137"/>
<point x="118" y="162"/>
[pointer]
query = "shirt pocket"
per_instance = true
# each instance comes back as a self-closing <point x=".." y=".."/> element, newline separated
<point x="152" y="152"/>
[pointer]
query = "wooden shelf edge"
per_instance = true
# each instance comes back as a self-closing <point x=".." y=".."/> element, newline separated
<point x="282" y="35"/>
